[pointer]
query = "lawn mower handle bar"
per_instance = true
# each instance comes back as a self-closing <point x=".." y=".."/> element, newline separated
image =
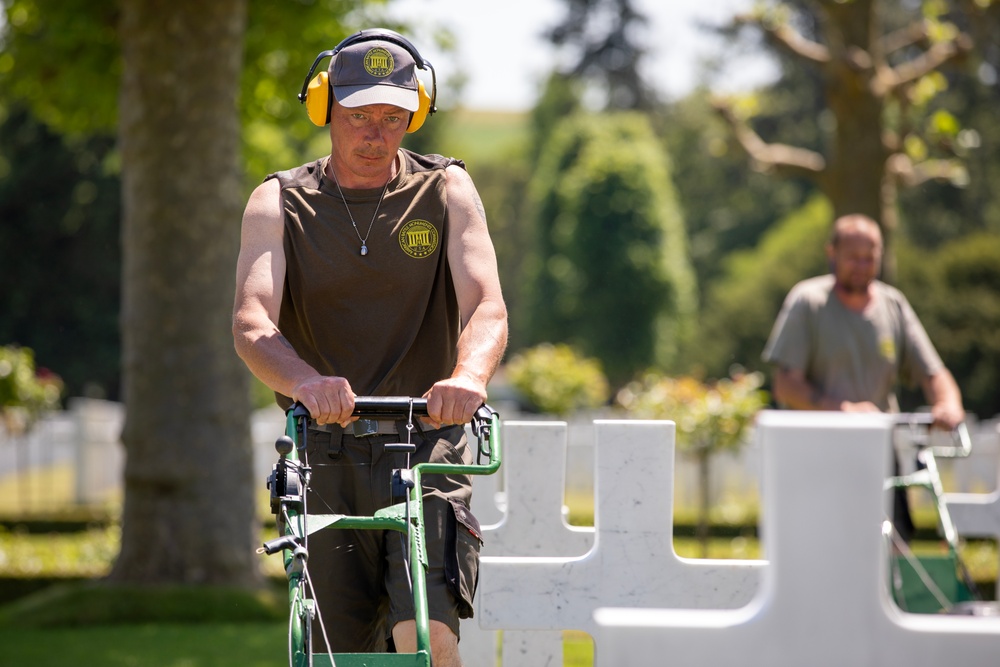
<point x="390" y="407"/>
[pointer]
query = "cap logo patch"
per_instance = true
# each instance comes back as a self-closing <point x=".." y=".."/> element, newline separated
<point x="378" y="62"/>
<point x="418" y="238"/>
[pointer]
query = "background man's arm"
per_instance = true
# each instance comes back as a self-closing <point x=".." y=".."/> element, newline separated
<point x="793" y="390"/>
<point x="945" y="398"/>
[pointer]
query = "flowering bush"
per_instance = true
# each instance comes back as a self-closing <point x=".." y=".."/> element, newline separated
<point x="711" y="416"/>
<point x="556" y="380"/>
<point x="24" y="392"/>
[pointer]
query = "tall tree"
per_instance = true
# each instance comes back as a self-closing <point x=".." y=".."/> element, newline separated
<point x="727" y="209"/>
<point x="60" y="72"/>
<point x="877" y="81"/>
<point x="189" y="514"/>
<point x="959" y="288"/>
<point x="937" y="213"/>
<point x="600" y="38"/>
<point x="186" y="432"/>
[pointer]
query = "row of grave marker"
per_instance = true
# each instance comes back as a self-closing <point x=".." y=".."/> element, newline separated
<point x="621" y="581"/>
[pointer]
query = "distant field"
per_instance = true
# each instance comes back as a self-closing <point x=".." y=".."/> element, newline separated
<point x="475" y="136"/>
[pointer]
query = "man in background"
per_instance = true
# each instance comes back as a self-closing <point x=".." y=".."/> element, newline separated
<point x="846" y="340"/>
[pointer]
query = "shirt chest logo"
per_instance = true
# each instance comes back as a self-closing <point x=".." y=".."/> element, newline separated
<point x="887" y="348"/>
<point x="418" y="238"/>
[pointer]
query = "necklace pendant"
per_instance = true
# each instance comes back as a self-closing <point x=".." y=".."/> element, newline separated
<point x="364" y="250"/>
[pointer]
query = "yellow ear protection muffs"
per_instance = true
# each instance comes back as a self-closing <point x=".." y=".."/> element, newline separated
<point x="317" y="93"/>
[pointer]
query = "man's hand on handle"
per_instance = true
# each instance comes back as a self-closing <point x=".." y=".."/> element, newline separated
<point x="454" y="401"/>
<point x="947" y="415"/>
<point x="329" y="400"/>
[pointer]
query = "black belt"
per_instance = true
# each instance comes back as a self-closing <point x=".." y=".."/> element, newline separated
<point x="362" y="428"/>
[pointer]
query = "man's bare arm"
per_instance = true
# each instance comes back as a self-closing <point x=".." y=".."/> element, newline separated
<point x="793" y="390"/>
<point x="945" y="398"/>
<point x="260" y="276"/>
<point x="483" y="339"/>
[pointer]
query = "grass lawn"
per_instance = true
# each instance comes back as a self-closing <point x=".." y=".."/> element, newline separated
<point x="209" y="645"/>
<point x="205" y="645"/>
<point x="226" y="644"/>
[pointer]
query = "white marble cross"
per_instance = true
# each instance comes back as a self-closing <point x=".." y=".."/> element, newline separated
<point x="532" y="524"/>
<point x="632" y="562"/>
<point x="823" y="599"/>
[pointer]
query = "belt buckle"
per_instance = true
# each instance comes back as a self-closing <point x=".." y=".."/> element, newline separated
<point x="365" y="427"/>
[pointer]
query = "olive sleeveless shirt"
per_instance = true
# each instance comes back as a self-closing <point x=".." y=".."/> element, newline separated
<point x="388" y="321"/>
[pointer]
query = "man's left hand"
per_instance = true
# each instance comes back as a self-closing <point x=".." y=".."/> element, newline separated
<point x="947" y="415"/>
<point x="454" y="401"/>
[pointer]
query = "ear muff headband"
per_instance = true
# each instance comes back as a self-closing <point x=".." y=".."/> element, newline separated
<point x="317" y="93"/>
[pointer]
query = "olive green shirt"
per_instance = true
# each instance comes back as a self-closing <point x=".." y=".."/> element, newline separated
<point x="388" y="320"/>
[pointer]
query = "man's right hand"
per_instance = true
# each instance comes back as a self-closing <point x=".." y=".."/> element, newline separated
<point x="329" y="400"/>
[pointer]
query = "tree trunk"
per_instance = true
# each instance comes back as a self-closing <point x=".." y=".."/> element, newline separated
<point x="856" y="173"/>
<point x="866" y="81"/>
<point x="189" y="512"/>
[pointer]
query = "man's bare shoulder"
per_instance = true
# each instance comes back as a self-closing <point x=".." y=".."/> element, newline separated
<point x="264" y="201"/>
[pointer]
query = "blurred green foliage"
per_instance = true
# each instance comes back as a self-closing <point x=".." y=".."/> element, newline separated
<point x="728" y="206"/>
<point x="25" y="391"/>
<point x="60" y="254"/>
<point x="72" y="554"/>
<point x="557" y="380"/>
<point x="741" y="304"/>
<point x="955" y="291"/>
<point x="610" y="272"/>
<point x="63" y="58"/>
<point x="747" y="235"/>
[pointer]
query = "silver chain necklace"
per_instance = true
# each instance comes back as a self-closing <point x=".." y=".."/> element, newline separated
<point x="364" y="241"/>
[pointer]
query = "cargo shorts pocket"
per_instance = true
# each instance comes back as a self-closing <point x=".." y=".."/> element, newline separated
<point x="463" y="539"/>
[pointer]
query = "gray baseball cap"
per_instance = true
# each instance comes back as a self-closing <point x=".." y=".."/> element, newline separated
<point x="375" y="72"/>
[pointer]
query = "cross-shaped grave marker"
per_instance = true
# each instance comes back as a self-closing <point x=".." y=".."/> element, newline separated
<point x="632" y="561"/>
<point x="823" y="599"/>
<point x="534" y="470"/>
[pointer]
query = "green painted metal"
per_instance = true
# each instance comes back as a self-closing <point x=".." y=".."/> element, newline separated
<point x="931" y="583"/>
<point x="912" y="593"/>
<point x="419" y="659"/>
